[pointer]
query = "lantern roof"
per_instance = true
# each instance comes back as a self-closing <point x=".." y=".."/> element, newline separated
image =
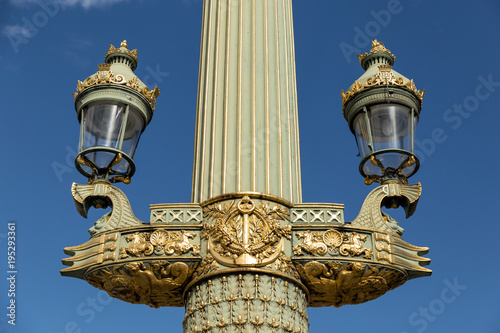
<point x="378" y="72"/>
<point x="118" y="69"/>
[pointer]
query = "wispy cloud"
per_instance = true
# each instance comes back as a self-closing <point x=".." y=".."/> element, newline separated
<point x="86" y="4"/>
<point x="16" y="31"/>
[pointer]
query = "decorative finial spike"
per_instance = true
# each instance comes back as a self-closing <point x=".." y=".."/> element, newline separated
<point x="376" y="47"/>
<point x="124" y="43"/>
<point x="379" y="47"/>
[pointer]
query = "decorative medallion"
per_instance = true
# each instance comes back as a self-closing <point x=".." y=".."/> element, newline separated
<point x="244" y="234"/>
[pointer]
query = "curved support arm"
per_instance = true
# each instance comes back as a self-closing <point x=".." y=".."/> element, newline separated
<point x="391" y="195"/>
<point x="102" y="195"/>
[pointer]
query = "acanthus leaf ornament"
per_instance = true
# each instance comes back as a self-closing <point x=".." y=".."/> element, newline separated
<point x="244" y="234"/>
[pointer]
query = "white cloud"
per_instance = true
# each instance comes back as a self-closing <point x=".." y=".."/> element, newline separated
<point x="15" y="31"/>
<point x="86" y="4"/>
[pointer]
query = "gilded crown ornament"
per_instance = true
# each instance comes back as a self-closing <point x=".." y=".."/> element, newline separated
<point x="109" y="75"/>
<point x="123" y="49"/>
<point x="385" y="75"/>
<point x="376" y="47"/>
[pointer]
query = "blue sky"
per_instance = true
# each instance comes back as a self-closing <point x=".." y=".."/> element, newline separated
<point x="449" y="48"/>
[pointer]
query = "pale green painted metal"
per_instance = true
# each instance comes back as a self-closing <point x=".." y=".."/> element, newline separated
<point x="114" y="92"/>
<point x="247" y="136"/>
<point x="378" y="95"/>
<point x="246" y="107"/>
<point x="248" y="302"/>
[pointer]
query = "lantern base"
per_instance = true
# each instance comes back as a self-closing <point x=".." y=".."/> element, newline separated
<point x="105" y="164"/>
<point x="406" y="164"/>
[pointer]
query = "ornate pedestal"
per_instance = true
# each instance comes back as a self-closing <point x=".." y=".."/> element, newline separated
<point x="246" y="262"/>
<point x="247" y="255"/>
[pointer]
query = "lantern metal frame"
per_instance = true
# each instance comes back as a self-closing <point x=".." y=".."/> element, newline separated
<point x="379" y="95"/>
<point x="113" y="94"/>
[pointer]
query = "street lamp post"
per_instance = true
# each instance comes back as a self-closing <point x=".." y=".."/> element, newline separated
<point x="247" y="255"/>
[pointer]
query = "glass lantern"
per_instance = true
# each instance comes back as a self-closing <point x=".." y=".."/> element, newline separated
<point x="385" y="137"/>
<point x="110" y="132"/>
<point x="113" y="107"/>
<point x="382" y="108"/>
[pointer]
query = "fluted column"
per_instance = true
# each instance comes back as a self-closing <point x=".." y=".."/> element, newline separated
<point x="247" y="136"/>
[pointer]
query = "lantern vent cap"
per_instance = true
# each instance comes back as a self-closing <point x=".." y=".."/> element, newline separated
<point x="122" y="55"/>
<point x="118" y="69"/>
<point x="378" y="72"/>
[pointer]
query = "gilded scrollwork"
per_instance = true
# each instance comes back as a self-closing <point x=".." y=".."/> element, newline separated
<point x="338" y="284"/>
<point x="159" y="242"/>
<point x="319" y="243"/>
<point x="382" y="78"/>
<point x="106" y="76"/>
<point x="244" y="234"/>
<point x="157" y="283"/>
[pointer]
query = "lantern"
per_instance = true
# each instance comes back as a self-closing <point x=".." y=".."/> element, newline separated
<point x="382" y="109"/>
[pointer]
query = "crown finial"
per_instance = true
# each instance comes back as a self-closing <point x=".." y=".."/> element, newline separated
<point x="122" y="50"/>
<point x="376" y="47"/>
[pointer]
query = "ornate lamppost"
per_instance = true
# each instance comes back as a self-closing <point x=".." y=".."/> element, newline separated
<point x="246" y="255"/>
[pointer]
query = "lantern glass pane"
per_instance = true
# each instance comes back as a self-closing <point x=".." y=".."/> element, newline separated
<point x="388" y="128"/>
<point x="135" y="126"/>
<point x="361" y="134"/>
<point x="106" y="124"/>
<point x="391" y="126"/>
